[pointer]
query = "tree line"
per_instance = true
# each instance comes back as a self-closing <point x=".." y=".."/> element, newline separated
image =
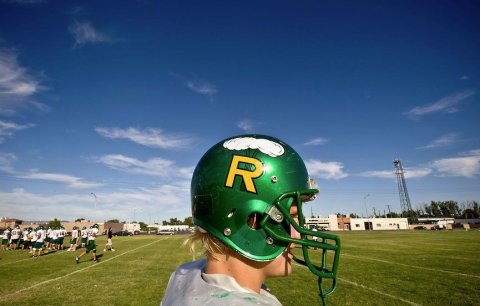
<point x="450" y="209"/>
<point x="434" y="209"/>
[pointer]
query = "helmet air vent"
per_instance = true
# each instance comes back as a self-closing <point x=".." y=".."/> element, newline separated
<point x="231" y="213"/>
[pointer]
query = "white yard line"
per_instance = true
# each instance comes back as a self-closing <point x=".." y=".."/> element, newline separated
<point x="412" y="266"/>
<point x="5" y="297"/>
<point x="393" y="297"/>
<point x="31" y="258"/>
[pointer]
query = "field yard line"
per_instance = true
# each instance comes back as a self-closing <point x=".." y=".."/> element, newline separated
<point x="379" y="292"/>
<point x="412" y="266"/>
<point x="13" y="262"/>
<point x="371" y="289"/>
<point x="30" y="257"/>
<point x="5" y="297"/>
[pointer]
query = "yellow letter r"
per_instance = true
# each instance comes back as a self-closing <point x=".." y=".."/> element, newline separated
<point x="247" y="175"/>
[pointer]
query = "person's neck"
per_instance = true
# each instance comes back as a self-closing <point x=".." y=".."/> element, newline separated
<point x="246" y="273"/>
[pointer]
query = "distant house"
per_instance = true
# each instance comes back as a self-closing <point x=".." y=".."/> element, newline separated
<point x="339" y="223"/>
<point x="9" y="222"/>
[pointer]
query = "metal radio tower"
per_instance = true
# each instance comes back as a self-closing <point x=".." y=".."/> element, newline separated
<point x="402" y="190"/>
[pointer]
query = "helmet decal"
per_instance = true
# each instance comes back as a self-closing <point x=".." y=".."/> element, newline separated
<point x="265" y="146"/>
<point x="247" y="175"/>
<point x="252" y="167"/>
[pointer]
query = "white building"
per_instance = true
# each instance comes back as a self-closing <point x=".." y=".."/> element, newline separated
<point x="322" y="223"/>
<point x="378" y="224"/>
<point x="131" y="227"/>
<point x="334" y="223"/>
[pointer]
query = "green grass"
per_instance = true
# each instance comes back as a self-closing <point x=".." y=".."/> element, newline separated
<point x="376" y="268"/>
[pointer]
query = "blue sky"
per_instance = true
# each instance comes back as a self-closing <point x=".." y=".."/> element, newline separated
<point x="106" y="106"/>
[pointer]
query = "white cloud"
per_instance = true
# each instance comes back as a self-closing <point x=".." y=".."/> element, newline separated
<point x="316" y="141"/>
<point x="9" y="128"/>
<point x="70" y="181"/>
<point x="246" y="125"/>
<point x="152" y="204"/>
<point x="150" y="137"/>
<point x="467" y="165"/>
<point x="84" y="33"/>
<point x="325" y="170"/>
<point x="155" y="166"/>
<point x="197" y="85"/>
<point x="17" y="85"/>
<point x="446" y="105"/>
<point x="442" y="141"/>
<point x="390" y="174"/>
<point x="202" y="87"/>
<point x="6" y="160"/>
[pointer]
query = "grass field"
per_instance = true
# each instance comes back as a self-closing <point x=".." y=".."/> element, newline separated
<point x="376" y="268"/>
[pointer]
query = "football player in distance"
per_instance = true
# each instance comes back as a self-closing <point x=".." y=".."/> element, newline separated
<point x="247" y="195"/>
<point x="91" y="246"/>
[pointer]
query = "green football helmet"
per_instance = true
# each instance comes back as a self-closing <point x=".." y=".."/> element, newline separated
<point x="242" y="191"/>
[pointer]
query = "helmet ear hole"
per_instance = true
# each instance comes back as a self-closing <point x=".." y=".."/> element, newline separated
<point x="254" y="220"/>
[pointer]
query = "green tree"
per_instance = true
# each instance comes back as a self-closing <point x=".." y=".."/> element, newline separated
<point x="471" y="210"/>
<point x="188" y="221"/>
<point x="143" y="226"/>
<point x="174" y="221"/>
<point x="55" y="223"/>
<point x="113" y="221"/>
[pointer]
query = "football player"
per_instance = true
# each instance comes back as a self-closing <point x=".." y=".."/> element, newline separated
<point x="5" y="238"/>
<point x="38" y="246"/>
<point x="73" y="240"/>
<point x="84" y="234"/>
<point x="61" y="232"/>
<point x="92" y="236"/>
<point x="32" y="235"/>
<point x="247" y="195"/>
<point x="15" y="237"/>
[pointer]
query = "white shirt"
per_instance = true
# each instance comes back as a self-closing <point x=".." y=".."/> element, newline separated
<point x="61" y="233"/>
<point x="41" y="234"/>
<point x="15" y="233"/>
<point x="189" y="286"/>
<point x="5" y="234"/>
<point x="33" y="236"/>
<point x="92" y="233"/>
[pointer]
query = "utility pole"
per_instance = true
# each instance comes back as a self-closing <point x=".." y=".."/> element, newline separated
<point x="388" y="206"/>
<point x="95" y="206"/>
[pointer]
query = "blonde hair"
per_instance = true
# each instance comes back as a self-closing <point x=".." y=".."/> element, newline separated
<point x="213" y="248"/>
